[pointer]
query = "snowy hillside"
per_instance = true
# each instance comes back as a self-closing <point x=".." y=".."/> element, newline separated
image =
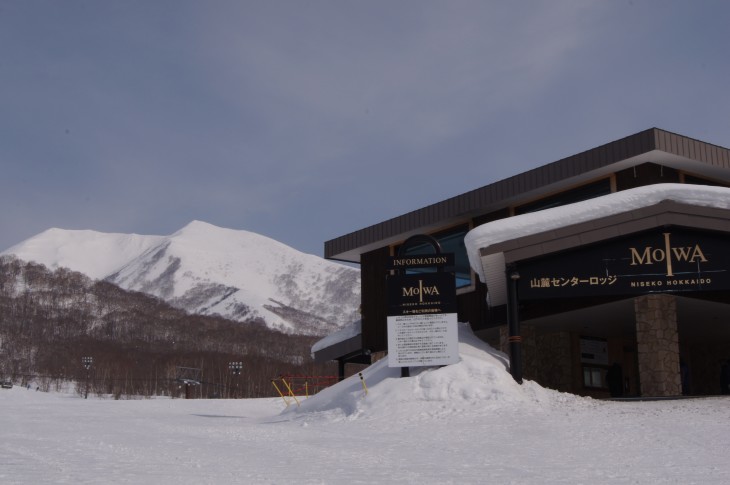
<point x="211" y="270"/>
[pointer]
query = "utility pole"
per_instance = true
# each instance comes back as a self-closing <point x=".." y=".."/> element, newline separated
<point x="236" y="369"/>
<point x="87" y="361"/>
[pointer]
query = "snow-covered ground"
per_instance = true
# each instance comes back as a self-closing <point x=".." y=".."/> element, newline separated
<point x="465" y="423"/>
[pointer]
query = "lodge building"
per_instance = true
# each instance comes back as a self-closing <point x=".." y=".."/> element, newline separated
<point x="615" y="258"/>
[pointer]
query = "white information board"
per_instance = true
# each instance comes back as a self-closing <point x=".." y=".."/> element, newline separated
<point x="423" y="340"/>
<point x="593" y="350"/>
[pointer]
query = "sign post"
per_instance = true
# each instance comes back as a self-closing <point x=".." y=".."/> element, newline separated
<point x="422" y="318"/>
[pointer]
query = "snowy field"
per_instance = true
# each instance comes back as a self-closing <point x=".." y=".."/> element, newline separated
<point x="465" y="423"/>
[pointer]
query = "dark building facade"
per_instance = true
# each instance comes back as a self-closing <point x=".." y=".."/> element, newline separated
<point x="641" y="340"/>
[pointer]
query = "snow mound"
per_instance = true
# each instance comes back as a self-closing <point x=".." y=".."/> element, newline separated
<point x="481" y="380"/>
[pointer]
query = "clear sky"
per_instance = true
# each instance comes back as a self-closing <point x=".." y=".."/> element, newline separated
<point x="306" y="120"/>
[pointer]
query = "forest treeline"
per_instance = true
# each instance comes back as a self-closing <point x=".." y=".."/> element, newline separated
<point x="140" y="345"/>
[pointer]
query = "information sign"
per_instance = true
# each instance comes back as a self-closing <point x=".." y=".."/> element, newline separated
<point x="423" y="340"/>
<point x="593" y="350"/>
<point x="422" y="320"/>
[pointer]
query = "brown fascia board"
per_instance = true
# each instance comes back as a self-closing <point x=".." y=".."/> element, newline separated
<point x="649" y="145"/>
<point x="665" y="213"/>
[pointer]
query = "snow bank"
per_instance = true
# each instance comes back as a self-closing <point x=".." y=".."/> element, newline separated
<point x="481" y="378"/>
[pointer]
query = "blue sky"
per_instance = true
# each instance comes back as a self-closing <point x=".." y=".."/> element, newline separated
<point x="306" y="120"/>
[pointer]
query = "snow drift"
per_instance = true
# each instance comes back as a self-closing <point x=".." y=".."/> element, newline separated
<point x="481" y="378"/>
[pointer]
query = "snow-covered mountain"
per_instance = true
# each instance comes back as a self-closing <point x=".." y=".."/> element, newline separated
<point x="210" y="270"/>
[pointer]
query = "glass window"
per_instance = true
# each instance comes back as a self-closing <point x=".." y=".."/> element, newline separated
<point x="593" y="377"/>
<point x="579" y="194"/>
<point x="451" y="242"/>
<point x="691" y="179"/>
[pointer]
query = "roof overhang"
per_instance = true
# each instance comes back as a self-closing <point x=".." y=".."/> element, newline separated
<point x="345" y="350"/>
<point x="493" y="246"/>
<point x="344" y="344"/>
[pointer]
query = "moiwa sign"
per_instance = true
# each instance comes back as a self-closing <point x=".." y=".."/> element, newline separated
<point x="669" y="259"/>
<point x="422" y="320"/>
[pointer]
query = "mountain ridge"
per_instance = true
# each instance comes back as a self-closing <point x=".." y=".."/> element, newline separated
<point x="209" y="270"/>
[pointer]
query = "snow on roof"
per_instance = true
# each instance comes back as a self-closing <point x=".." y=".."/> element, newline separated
<point x="348" y="331"/>
<point x="515" y="227"/>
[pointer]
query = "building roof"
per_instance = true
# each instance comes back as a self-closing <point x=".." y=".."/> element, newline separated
<point x="493" y="245"/>
<point x="649" y="146"/>
<point x="346" y="340"/>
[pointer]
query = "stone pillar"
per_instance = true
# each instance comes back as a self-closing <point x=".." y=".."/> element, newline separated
<point x="658" y="345"/>
<point x="553" y="361"/>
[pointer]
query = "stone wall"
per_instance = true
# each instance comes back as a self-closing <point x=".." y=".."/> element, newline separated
<point x="657" y="345"/>
<point x="546" y="358"/>
<point x="553" y="362"/>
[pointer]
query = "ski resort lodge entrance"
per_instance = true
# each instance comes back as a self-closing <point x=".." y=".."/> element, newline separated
<point x="613" y="266"/>
<point x="629" y="289"/>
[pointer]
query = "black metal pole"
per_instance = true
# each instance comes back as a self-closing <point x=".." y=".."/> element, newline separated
<point x="340" y="369"/>
<point x="87" y="362"/>
<point x="513" y="320"/>
<point x="235" y="368"/>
